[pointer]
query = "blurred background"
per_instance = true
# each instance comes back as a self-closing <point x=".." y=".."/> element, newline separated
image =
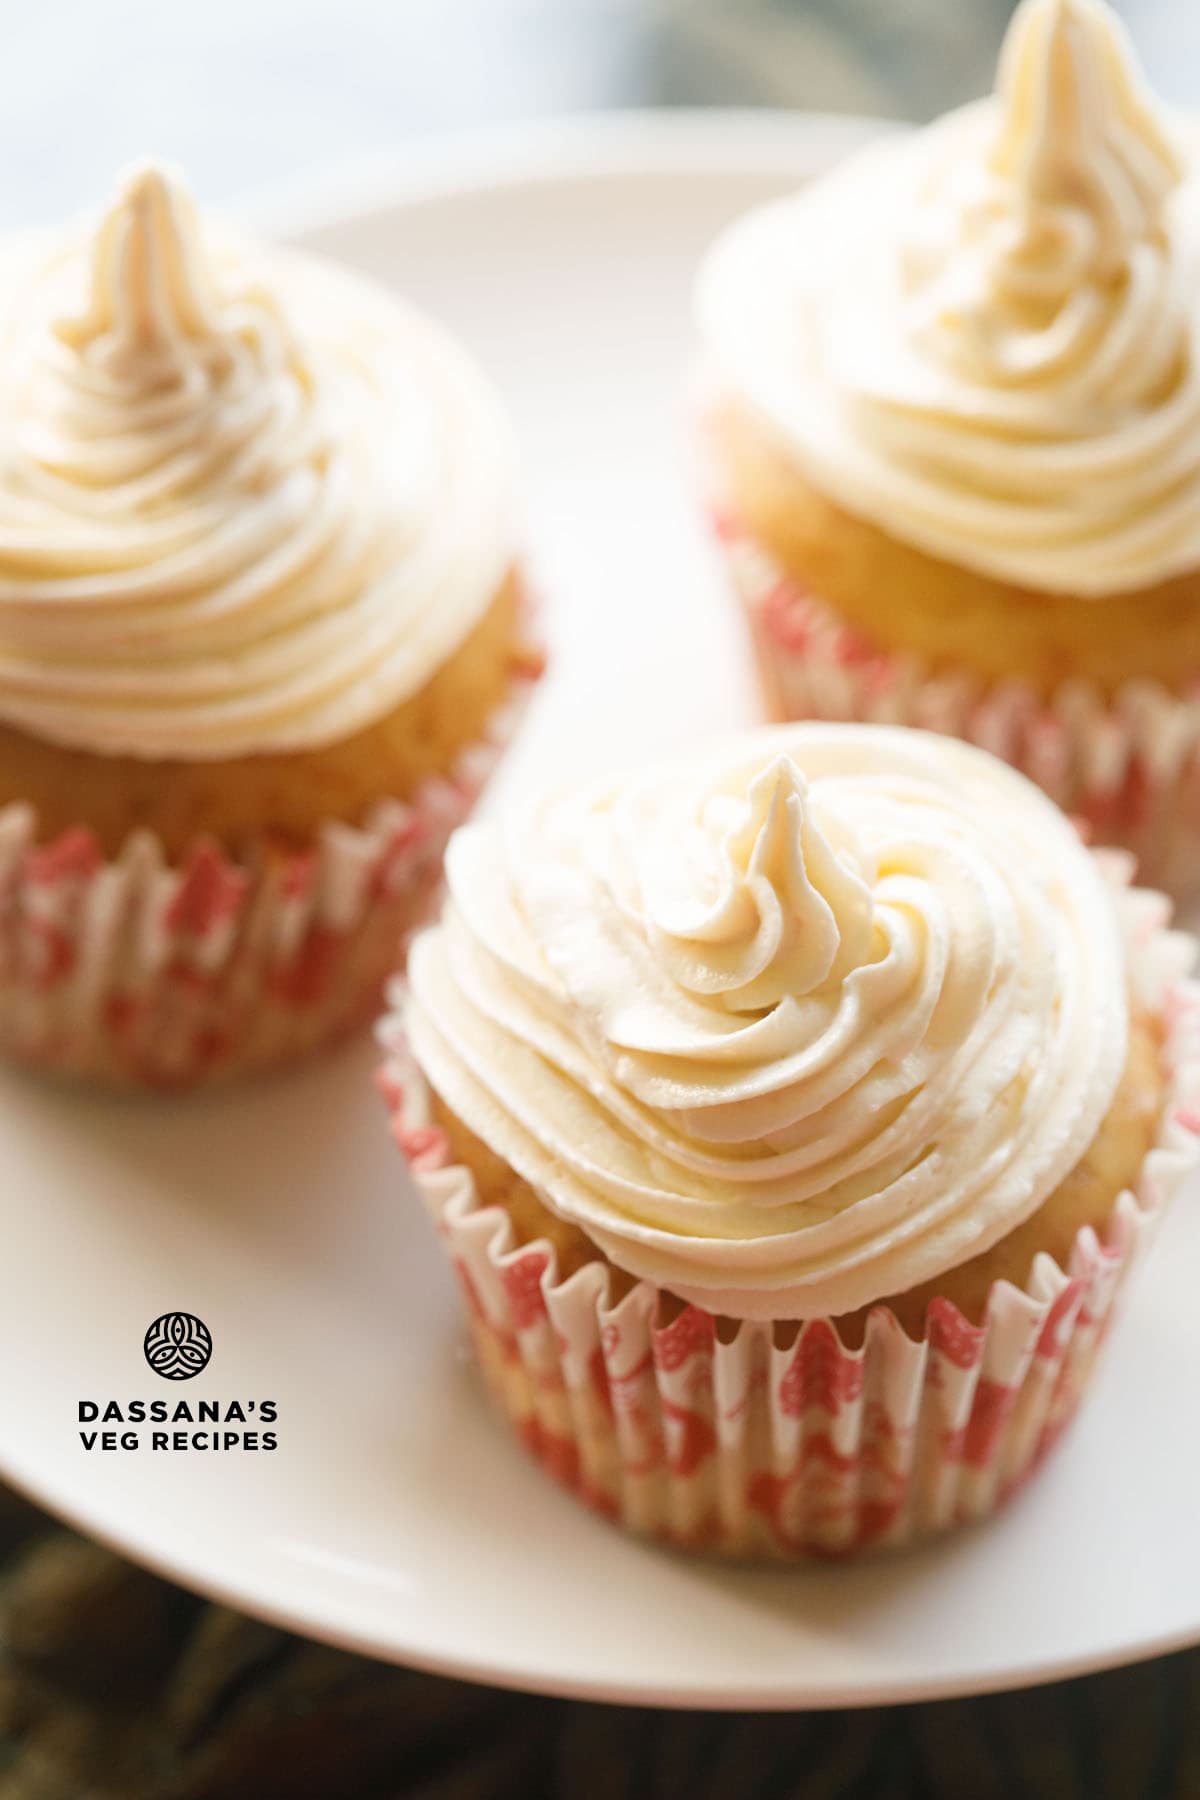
<point x="249" y="94"/>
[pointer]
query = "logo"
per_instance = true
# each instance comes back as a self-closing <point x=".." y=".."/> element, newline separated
<point x="178" y="1346"/>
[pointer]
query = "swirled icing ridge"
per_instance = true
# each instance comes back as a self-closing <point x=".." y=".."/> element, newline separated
<point x="984" y="339"/>
<point x="788" y="1030"/>
<point x="247" y="502"/>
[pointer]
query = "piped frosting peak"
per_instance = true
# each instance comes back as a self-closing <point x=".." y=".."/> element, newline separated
<point x="1078" y="126"/>
<point x="247" y="502"/>
<point x="1032" y="264"/>
<point x="985" y="339"/>
<point x="787" y="1029"/>
<point x="151" y="290"/>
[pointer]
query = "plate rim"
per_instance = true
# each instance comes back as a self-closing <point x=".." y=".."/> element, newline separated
<point x="684" y="142"/>
<point x="536" y="1679"/>
<point x="571" y="146"/>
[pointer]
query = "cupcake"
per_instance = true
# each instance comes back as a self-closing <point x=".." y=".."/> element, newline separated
<point x="792" y="1118"/>
<point x="261" y="638"/>
<point x="951" y="413"/>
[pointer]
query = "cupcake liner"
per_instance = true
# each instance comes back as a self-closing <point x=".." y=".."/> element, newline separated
<point x="753" y="1439"/>
<point x="1128" y="765"/>
<point x="140" y="971"/>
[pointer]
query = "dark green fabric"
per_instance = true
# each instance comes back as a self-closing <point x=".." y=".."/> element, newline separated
<point x="117" y="1686"/>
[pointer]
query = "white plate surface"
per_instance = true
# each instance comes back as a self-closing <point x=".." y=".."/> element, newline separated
<point x="395" y="1517"/>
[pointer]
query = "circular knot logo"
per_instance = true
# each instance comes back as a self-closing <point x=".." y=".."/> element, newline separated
<point x="178" y="1346"/>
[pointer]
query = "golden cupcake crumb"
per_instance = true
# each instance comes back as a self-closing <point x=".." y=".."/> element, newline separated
<point x="1086" y="1197"/>
<point x="950" y="618"/>
<point x="284" y="797"/>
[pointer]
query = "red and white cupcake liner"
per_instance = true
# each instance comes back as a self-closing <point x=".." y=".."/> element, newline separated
<point x="1128" y="765"/>
<point x="755" y="1439"/>
<point x="137" y="971"/>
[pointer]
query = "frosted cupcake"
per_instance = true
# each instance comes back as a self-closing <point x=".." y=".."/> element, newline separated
<point x="792" y="1118"/>
<point x="952" y="399"/>
<point x="261" y="636"/>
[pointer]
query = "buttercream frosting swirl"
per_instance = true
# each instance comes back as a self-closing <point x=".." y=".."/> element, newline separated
<point x="248" y="502"/>
<point x="984" y="338"/>
<point x="788" y="1030"/>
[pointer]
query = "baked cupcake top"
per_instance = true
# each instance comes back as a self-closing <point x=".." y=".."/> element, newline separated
<point x="984" y="337"/>
<point x="787" y="1029"/>
<point x="248" y="502"/>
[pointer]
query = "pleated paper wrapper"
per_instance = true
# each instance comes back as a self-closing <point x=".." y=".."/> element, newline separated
<point x="134" y="971"/>
<point x="760" y="1440"/>
<point x="1128" y="765"/>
